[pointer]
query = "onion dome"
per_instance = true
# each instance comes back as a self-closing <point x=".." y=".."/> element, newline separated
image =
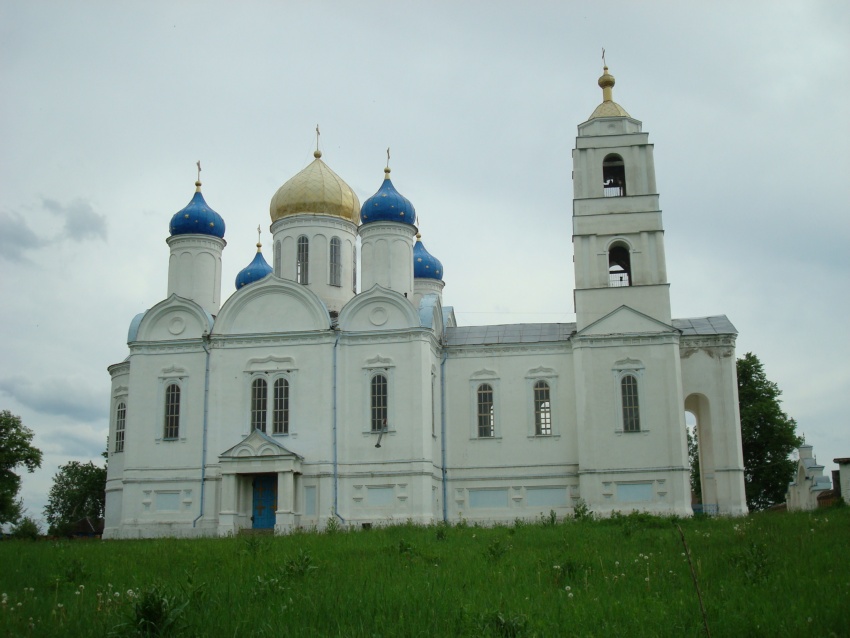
<point x="425" y="265"/>
<point x="256" y="270"/>
<point x="388" y="205"/>
<point x="316" y="190"/>
<point x="197" y="218"/>
<point x="608" y="108"/>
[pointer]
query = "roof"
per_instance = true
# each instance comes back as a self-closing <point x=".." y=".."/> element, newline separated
<point x="553" y="332"/>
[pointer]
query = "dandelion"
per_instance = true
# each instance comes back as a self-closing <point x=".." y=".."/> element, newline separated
<point x="567" y="588"/>
<point x="82" y="587"/>
<point x="59" y="605"/>
<point x="77" y="593"/>
<point x="616" y="563"/>
<point x="556" y="567"/>
<point x="570" y="595"/>
<point x="117" y="594"/>
<point x="646" y="579"/>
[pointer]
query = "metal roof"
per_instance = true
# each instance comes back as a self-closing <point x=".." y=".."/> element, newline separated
<point x="554" y="332"/>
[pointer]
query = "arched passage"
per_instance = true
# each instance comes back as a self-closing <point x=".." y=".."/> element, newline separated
<point x="699" y="409"/>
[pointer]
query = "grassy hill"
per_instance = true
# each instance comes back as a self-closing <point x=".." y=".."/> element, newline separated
<point x="770" y="574"/>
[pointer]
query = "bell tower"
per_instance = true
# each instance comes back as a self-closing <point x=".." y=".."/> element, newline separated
<point x="618" y="238"/>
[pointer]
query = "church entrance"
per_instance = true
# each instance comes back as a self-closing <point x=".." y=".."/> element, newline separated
<point x="264" y="501"/>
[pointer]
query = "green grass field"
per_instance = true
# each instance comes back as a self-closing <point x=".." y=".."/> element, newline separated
<point x="771" y="574"/>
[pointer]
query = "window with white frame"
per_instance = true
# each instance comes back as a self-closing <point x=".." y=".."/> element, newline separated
<point x="171" y="430"/>
<point x="120" y="423"/>
<point x="542" y="409"/>
<point x="335" y="278"/>
<point x="302" y="260"/>
<point x="259" y="404"/>
<point x="486" y="411"/>
<point x="280" y="407"/>
<point x="378" y="393"/>
<point x="630" y="403"/>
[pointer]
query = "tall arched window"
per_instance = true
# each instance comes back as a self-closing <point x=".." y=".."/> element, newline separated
<point x="259" y="404"/>
<point x="354" y="268"/>
<point x="172" y="412"/>
<point x="486" y="411"/>
<point x="542" y="409"/>
<point x="120" y="422"/>
<point x="336" y="262"/>
<point x="631" y="409"/>
<point x="619" y="266"/>
<point x="613" y="176"/>
<point x="378" y="394"/>
<point x="277" y="259"/>
<point x="302" y="261"/>
<point x="280" y="409"/>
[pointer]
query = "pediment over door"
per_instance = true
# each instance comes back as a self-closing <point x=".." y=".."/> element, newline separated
<point x="259" y="452"/>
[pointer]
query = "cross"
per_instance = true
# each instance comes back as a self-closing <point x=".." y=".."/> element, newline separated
<point x="603" y="57"/>
<point x="388" y="156"/>
<point x="199" y="170"/>
<point x="317" y="137"/>
<point x="258" y="233"/>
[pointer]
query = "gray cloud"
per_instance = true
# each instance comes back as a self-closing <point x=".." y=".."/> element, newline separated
<point x="59" y="396"/>
<point x="81" y="222"/>
<point x="16" y="237"/>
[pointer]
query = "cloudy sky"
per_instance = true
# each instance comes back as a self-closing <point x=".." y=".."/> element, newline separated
<point x="105" y="107"/>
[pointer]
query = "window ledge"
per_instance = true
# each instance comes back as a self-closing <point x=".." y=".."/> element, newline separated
<point x="544" y="436"/>
<point x="619" y="432"/>
<point x="377" y="432"/>
<point x="485" y="438"/>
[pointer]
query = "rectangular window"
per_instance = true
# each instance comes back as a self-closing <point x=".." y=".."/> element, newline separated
<point x="120" y="422"/>
<point x="631" y="409"/>
<point x="172" y="412"/>
<point x="280" y="409"/>
<point x="336" y="262"/>
<point x="486" y="411"/>
<point x="378" y="403"/>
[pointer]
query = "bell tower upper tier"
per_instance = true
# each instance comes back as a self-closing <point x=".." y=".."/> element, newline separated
<point x="618" y="238"/>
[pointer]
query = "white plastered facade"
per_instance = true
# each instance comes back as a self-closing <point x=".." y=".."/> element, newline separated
<point x="624" y="354"/>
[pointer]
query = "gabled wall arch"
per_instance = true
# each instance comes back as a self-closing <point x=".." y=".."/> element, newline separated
<point x="272" y="305"/>
<point x="378" y="309"/>
<point x="172" y="319"/>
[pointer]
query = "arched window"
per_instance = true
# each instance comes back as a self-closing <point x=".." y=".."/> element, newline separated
<point x="302" y="260"/>
<point x="277" y="259"/>
<point x="259" y="404"/>
<point x="354" y="268"/>
<point x="542" y="409"/>
<point x="280" y="409"/>
<point x="172" y="412"/>
<point x="120" y="422"/>
<point x="619" y="266"/>
<point x="378" y="394"/>
<point x="486" y="411"/>
<point x="613" y="176"/>
<point x="631" y="409"/>
<point x="336" y="262"/>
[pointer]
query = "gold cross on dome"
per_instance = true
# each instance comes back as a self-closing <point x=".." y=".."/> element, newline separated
<point x="199" y="170"/>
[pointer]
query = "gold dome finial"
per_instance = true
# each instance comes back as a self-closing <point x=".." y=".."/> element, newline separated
<point x="418" y="236"/>
<point x="259" y="245"/>
<point x="606" y="81"/>
<point x="387" y="169"/>
<point x="198" y="182"/>
<point x="317" y="153"/>
<point x="608" y="108"/>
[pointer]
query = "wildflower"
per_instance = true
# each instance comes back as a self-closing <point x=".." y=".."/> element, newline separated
<point x="82" y="587"/>
<point x="570" y="595"/>
<point x="567" y="588"/>
<point x="117" y="594"/>
<point x="556" y="567"/>
<point x="810" y="619"/>
<point x="77" y="593"/>
<point x="58" y="605"/>
<point x="616" y="563"/>
<point x="646" y="579"/>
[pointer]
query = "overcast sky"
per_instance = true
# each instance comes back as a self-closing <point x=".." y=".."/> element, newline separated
<point x="105" y="107"/>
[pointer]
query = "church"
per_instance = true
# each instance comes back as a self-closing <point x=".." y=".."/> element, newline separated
<point x="334" y="387"/>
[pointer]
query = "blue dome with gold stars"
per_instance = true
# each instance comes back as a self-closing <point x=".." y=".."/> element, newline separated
<point x="425" y="265"/>
<point x="256" y="270"/>
<point x="388" y="205"/>
<point x="197" y="218"/>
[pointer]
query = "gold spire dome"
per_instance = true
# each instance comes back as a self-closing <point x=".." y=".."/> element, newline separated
<point x="608" y="108"/>
<point x="316" y="190"/>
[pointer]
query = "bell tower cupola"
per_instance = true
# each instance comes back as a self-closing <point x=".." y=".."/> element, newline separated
<point x="618" y="238"/>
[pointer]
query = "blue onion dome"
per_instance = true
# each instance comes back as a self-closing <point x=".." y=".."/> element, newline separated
<point x="256" y="270"/>
<point x="425" y="265"/>
<point x="197" y="218"/>
<point x="388" y="205"/>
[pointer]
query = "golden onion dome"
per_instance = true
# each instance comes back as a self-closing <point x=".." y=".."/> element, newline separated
<point x="608" y="108"/>
<point x="316" y="190"/>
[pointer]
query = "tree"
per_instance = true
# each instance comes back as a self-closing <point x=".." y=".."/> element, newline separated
<point x="768" y="436"/>
<point x="78" y="492"/>
<point x="16" y="450"/>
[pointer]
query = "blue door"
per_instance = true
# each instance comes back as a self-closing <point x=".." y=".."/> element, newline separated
<point x="265" y="501"/>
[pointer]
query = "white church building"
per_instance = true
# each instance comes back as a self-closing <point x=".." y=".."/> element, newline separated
<point x="321" y="391"/>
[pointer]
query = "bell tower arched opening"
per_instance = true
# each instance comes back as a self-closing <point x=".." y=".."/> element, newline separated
<point x="619" y="266"/>
<point x="613" y="176"/>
